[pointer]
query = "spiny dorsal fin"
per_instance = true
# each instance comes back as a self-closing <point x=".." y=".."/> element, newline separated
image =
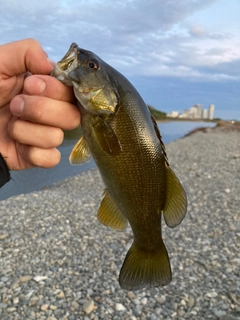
<point x="175" y="206"/>
<point x="109" y="214"/>
<point x="80" y="153"/>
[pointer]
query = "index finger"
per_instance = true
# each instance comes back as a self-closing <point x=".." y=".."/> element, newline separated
<point x="21" y="56"/>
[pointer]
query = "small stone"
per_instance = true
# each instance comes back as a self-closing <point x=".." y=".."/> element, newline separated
<point x="158" y="311"/>
<point x="88" y="306"/>
<point x="29" y="294"/>
<point x="39" y="278"/>
<point x="136" y="301"/>
<point x="4" y="236"/>
<point x="3" y="305"/>
<point x="61" y="295"/>
<point x="227" y="317"/>
<point x="131" y="295"/>
<point x="227" y="190"/>
<point x="44" y="307"/>
<point x="137" y="310"/>
<point x="219" y="313"/>
<point x="120" y="307"/>
<point x="181" y="313"/>
<point x="24" y="279"/>
<point x="144" y="301"/>
<point x="16" y="300"/>
<point x="33" y="301"/>
<point x="183" y="303"/>
<point x="10" y="310"/>
<point x="52" y="307"/>
<point x="161" y="299"/>
<point x="74" y="306"/>
<point x="191" y="302"/>
<point x="212" y="294"/>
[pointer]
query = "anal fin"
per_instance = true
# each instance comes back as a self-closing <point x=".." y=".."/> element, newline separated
<point x="109" y="214"/>
<point x="175" y="206"/>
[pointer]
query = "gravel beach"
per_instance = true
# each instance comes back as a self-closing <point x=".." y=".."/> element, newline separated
<point x="58" y="262"/>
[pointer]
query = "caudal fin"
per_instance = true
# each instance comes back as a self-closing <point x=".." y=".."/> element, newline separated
<point x="143" y="269"/>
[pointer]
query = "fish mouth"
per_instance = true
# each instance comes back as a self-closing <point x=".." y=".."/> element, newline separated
<point x="66" y="65"/>
<point x="66" y="62"/>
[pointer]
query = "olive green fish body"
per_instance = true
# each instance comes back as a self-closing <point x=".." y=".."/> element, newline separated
<point x="124" y="140"/>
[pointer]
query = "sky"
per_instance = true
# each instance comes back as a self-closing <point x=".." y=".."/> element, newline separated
<point x="177" y="53"/>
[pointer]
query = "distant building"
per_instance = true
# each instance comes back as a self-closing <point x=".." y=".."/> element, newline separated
<point x="211" y="111"/>
<point x="173" y="114"/>
<point x="204" y="113"/>
<point x="194" y="112"/>
<point x="199" y="111"/>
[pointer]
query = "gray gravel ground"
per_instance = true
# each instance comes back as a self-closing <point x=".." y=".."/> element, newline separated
<point x="58" y="262"/>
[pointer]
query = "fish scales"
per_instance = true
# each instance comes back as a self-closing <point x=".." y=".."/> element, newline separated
<point x="125" y="142"/>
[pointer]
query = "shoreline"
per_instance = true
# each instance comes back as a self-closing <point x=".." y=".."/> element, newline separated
<point x="58" y="262"/>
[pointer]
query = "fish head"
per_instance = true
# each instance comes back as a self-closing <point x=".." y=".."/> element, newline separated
<point x="88" y="74"/>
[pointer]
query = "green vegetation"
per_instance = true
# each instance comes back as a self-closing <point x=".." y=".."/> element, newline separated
<point x="158" y="115"/>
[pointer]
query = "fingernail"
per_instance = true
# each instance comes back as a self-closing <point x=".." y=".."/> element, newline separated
<point x="41" y="85"/>
<point x="17" y="106"/>
<point x="34" y="85"/>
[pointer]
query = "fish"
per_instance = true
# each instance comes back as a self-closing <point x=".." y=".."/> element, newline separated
<point x="123" y="138"/>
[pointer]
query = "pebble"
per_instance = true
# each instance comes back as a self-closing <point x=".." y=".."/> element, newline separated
<point x="212" y="294"/>
<point x="44" y="307"/>
<point x="24" y="279"/>
<point x="39" y="278"/>
<point x="88" y="306"/>
<point x="4" y="236"/>
<point x="227" y="317"/>
<point x="59" y="262"/>
<point x="120" y="307"/>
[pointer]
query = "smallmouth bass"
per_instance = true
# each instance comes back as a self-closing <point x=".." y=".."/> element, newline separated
<point x="122" y="136"/>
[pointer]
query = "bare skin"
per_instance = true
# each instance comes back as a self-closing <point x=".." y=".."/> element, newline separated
<point x="34" y="107"/>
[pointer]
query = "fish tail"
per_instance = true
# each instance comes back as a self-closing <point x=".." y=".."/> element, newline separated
<point x="145" y="268"/>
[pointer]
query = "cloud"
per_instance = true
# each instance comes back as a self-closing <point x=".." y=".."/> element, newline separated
<point x="138" y="37"/>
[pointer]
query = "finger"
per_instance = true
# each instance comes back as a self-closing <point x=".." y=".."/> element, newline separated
<point x="37" y="157"/>
<point x="33" y="134"/>
<point x="25" y="55"/>
<point x="49" y="87"/>
<point x="46" y="111"/>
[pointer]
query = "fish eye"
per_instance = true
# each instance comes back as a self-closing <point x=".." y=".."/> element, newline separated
<point x="93" y="65"/>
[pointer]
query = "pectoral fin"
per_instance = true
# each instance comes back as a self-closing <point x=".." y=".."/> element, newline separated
<point x="176" y="200"/>
<point x="107" y="138"/>
<point x="80" y="153"/>
<point x="109" y="214"/>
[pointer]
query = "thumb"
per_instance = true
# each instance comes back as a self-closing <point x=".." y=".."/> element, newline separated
<point x="23" y="56"/>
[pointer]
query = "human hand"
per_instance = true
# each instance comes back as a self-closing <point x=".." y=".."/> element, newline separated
<point x="33" y="110"/>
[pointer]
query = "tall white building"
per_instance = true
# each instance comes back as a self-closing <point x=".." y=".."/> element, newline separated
<point x="211" y="111"/>
<point x="204" y="113"/>
<point x="198" y="111"/>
